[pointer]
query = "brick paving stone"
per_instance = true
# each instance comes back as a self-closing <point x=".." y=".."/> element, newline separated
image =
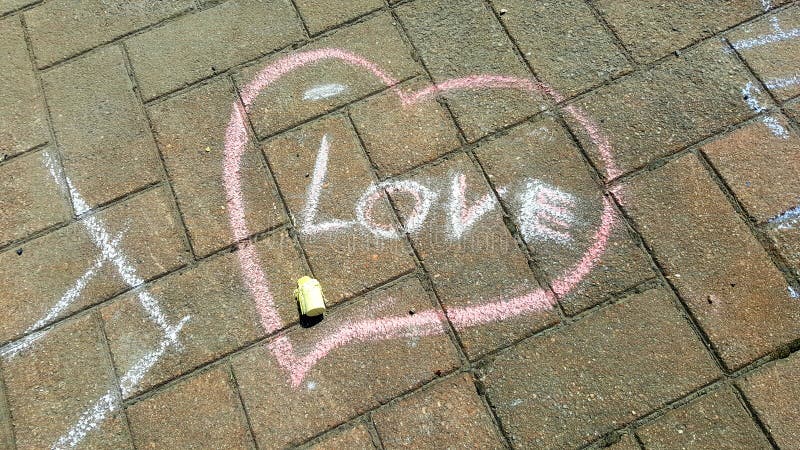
<point x="775" y="62"/>
<point x="446" y="415"/>
<point x="370" y="260"/>
<point x="543" y="151"/>
<point x="352" y="379"/>
<point x="209" y="42"/>
<point x="717" y="420"/>
<point x="59" y="30"/>
<point x="665" y="108"/>
<point x="355" y="438"/>
<point x="483" y="265"/>
<point x="190" y="131"/>
<point x="101" y="129"/>
<point x="457" y="39"/>
<point x="11" y="5"/>
<point x="291" y="100"/>
<point x="205" y="408"/>
<point x="717" y="265"/>
<point x="627" y="442"/>
<point x="652" y="29"/>
<point x="554" y="36"/>
<point x="31" y="201"/>
<point x="761" y="168"/>
<point x="22" y="114"/>
<point x="321" y="16"/>
<point x="571" y="387"/>
<point x="773" y="392"/>
<point x="49" y="268"/>
<point x="53" y="383"/>
<point x="223" y="317"/>
<point x="398" y="138"/>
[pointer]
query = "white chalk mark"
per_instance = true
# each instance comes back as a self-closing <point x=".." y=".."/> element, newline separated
<point x="324" y="91"/>
<point x="749" y="93"/>
<point x="778" y="36"/>
<point x="309" y="214"/>
<point x="766" y="4"/>
<point x="12" y="349"/>
<point x="781" y="83"/>
<point x="109" y="402"/>
<point x="786" y="220"/>
<point x="110" y="251"/>
<point x="461" y="217"/>
<point x="423" y="197"/>
<point x="88" y="421"/>
<point x="543" y="209"/>
<point x="776" y="127"/>
<point x="792" y="292"/>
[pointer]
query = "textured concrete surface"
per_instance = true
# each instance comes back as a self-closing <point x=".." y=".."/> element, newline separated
<point x="537" y="224"/>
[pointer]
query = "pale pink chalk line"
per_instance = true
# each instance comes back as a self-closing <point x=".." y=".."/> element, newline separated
<point x="426" y="322"/>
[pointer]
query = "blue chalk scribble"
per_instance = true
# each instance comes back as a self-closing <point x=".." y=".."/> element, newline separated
<point x="787" y="220"/>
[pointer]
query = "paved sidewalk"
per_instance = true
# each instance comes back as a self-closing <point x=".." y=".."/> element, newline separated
<point x="538" y="224"/>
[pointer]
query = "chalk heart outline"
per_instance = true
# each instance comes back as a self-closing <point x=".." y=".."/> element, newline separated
<point x="423" y="323"/>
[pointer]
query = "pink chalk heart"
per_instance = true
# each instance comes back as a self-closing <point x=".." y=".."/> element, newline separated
<point x="424" y="322"/>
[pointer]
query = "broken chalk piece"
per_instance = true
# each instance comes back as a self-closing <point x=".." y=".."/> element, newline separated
<point x="309" y="295"/>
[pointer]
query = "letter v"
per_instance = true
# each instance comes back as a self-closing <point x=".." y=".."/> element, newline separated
<point x="313" y="193"/>
<point x="461" y="217"/>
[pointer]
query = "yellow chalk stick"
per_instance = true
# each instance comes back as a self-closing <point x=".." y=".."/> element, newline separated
<point x="309" y="295"/>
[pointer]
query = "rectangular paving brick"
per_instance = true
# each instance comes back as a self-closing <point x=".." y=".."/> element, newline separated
<point x="716" y="420"/>
<point x="760" y="168"/>
<point x="22" y="115"/>
<point x="357" y="375"/>
<point x="209" y="42"/>
<point x="190" y="131"/>
<point x="542" y="152"/>
<point x="205" y="408"/>
<point x="369" y="259"/>
<point x="446" y="414"/>
<point x="67" y="265"/>
<point x="771" y="47"/>
<point x="222" y="314"/>
<point x="59" y="30"/>
<point x="355" y="438"/>
<point x="571" y="387"/>
<point x="651" y="29"/>
<point x="773" y="392"/>
<point x="67" y="371"/>
<point x="663" y="109"/>
<point x="311" y="90"/>
<point x="102" y="131"/>
<point x="481" y="265"/>
<point x="399" y="137"/>
<point x="726" y="278"/>
<point x="31" y="200"/>
<point x="321" y="16"/>
<point x="457" y="39"/>
<point x="564" y="42"/>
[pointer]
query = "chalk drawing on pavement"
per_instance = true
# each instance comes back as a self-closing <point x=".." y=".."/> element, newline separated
<point x="110" y="253"/>
<point x="422" y="323"/>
